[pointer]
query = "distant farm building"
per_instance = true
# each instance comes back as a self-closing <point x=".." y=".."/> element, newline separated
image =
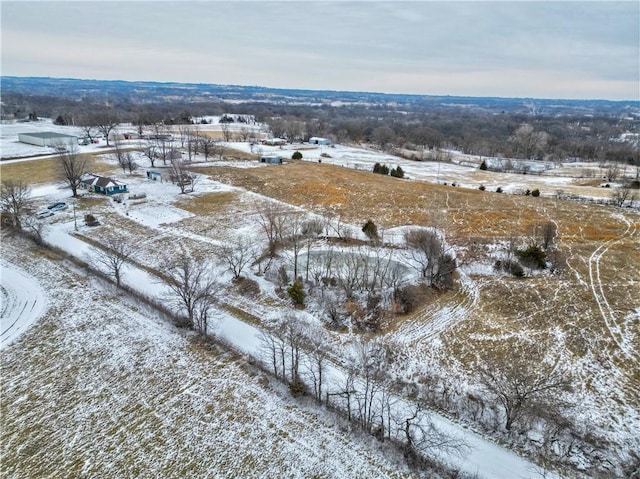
<point x="316" y="140"/>
<point x="102" y="184"/>
<point x="117" y="136"/>
<point x="158" y="175"/>
<point x="48" y="138"/>
<point x="274" y="141"/>
<point x="272" y="160"/>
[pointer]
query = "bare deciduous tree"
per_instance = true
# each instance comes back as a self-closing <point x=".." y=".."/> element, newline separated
<point x="130" y="162"/>
<point x="317" y="345"/>
<point x="184" y="130"/>
<point x="293" y="330"/>
<point x="72" y="167"/>
<point x="310" y="229"/>
<point x="621" y="196"/>
<point x="35" y="229"/>
<point x="116" y="250"/>
<point x="523" y="380"/>
<point x="613" y="171"/>
<point x="383" y="136"/>
<point x="273" y="348"/>
<point x="423" y="245"/>
<point x="547" y="233"/>
<point x="528" y="142"/>
<point x="181" y="176"/>
<point x="150" y="153"/>
<point x="295" y="239"/>
<point x="245" y="133"/>
<point x="226" y="132"/>
<point x="125" y="159"/>
<point x="118" y="152"/>
<point x="105" y="122"/>
<point x="430" y="256"/>
<point x="238" y="253"/>
<point x="272" y="219"/>
<point x="88" y="129"/>
<point x="421" y="437"/>
<point x="336" y="225"/>
<point x="369" y="363"/>
<point x="15" y="200"/>
<point x="207" y="144"/>
<point x="192" y="287"/>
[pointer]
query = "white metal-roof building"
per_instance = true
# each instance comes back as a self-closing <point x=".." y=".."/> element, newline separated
<point x="271" y="159"/>
<point x="47" y="138"/>
<point x="316" y="140"/>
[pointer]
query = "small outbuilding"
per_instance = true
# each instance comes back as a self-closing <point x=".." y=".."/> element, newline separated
<point x="159" y="175"/>
<point x="274" y="141"/>
<point x="272" y="160"/>
<point x="102" y="184"/>
<point x="316" y="140"/>
<point x="48" y="138"/>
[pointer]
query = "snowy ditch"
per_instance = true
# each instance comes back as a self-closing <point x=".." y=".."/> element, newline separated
<point x="449" y="442"/>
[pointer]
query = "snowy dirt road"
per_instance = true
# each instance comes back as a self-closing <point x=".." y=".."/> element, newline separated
<point x="22" y="302"/>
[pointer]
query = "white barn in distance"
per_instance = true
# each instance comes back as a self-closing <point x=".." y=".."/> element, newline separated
<point x="316" y="140"/>
<point x="48" y="138"/>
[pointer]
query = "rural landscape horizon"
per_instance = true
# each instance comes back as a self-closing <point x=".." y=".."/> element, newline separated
<point x="327" y="90"/>
<point x="414" y="253"/>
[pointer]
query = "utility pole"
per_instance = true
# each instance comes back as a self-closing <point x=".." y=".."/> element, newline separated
<point x="75" y="219"/>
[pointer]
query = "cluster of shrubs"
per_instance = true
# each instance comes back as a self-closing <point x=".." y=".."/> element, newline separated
<point x="533" y="257"/>
<point x="535" y="193"/>
<point x="509" y="266"/>
<point x="380" y="169"/>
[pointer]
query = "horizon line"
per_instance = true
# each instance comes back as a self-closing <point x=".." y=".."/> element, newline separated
<point x="325" y="89"/>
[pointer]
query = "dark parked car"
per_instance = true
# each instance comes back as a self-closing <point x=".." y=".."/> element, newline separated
<point x="57" y="206"/>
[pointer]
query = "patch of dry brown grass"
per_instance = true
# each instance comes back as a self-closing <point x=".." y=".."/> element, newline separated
<point x="207" y="204"/>
<point x="46" y="171"/>
<point x="555" y="308"/>
<point x="462" y="213"/>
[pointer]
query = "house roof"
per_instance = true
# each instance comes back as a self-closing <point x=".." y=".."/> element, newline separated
<point x="101" y="181"/>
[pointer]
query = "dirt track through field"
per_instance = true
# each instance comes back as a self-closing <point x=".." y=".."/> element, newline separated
<point x="606" y="311"/>
<point x="620" y="329"/>
<point x="437" y="318"/>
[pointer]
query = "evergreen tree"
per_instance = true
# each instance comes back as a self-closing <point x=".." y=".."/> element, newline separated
<point x="370" y="230"/>
<point x="296" y="293"/>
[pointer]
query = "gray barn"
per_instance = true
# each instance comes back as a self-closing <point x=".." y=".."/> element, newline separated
<point x="47" y="138"/>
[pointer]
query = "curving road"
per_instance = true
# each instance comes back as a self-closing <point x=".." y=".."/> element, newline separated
<point x="22" y="302"/>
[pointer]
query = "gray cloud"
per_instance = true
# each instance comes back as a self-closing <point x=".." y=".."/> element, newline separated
<point x="543" y="49"/>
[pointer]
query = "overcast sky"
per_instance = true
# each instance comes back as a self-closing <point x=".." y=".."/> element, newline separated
<point x="561" y="49"/>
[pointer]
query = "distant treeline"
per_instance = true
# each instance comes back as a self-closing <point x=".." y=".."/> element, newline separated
<point x="399" y="123"/>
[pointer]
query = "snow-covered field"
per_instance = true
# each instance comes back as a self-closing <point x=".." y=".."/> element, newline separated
<point x="102" y="388"/>
<point x="22" y="302"/>
<point x="481" y="457"/>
